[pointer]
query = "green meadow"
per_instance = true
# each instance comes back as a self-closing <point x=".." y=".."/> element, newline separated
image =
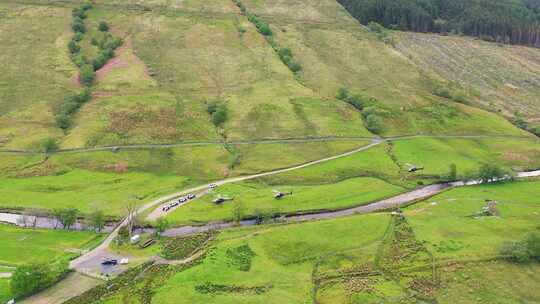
<point x="251" y="198"/>
<point x="435" y="252"/>
<point x="447" y="224"/>
<point x="20" y="245"/>
<point x="5" y="294"/>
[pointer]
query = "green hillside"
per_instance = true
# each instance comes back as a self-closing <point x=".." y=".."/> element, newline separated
<point x="111" y="110"/>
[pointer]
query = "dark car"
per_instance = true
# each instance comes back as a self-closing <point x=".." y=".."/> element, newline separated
<point x="109" y="262"/>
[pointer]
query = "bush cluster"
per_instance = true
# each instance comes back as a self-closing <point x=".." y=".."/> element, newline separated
<point x="31" y="278"/>
<point x="219" y="113"/>
<point x="286" y="56"/>
<point x="455" y="95"/>
<point x="261" y="26"/>
<point x="370" y="112"/>
<point x="240" y="257"/>
<point x="182" y="247"/>
<point x="523" y="251"/>
<point x="70" y="105"/>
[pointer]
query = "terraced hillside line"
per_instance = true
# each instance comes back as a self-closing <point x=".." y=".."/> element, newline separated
<point x="255" y="142"/>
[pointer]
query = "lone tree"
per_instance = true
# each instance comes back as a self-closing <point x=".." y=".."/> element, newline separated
<point x="66" y="216"/>
<point x="97" y="220"/>
<point x="103" y="26"/>
<point x="161" y="225"/>
<point x="131" y="216"/>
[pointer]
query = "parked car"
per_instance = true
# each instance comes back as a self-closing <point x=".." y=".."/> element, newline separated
<point x="191" y="196"/>
<point x="212" y="186"/>
<point x="109" y="262"/>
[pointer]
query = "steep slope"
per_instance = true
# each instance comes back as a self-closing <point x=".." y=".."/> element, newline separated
<point x="505" y="78"/>
<point x="335" y="51"/>
<point x="36" y="72"/>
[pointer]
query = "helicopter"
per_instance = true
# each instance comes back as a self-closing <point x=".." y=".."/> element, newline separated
<point x="279" y="195"/>
<point x="413" y="168"/>
<point x="220" y="199"/>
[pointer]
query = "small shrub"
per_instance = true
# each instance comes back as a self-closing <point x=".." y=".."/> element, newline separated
<point x="78" y="25"/>
<point x="491" y="172"/>
<point x="442" y="92"/>
<point x="103" y="26"/>
<point x="374" y="123"/>
<point x="218" y="112"/>
<point x="342" y="94"/>
<point x="240" y="257"/>
<point x="461" y="98"/>
<point x="87" y="75"/>
<point x="523" y="251"/>
<point x="78" y="37"/>
<point x="49" y="145"/>
<point x="73" y="47"/>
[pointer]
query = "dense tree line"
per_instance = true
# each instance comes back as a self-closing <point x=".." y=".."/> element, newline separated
<point x="506" y="21"/>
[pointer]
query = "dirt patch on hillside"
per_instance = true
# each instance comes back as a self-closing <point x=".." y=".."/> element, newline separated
<point x="122" y="59"/>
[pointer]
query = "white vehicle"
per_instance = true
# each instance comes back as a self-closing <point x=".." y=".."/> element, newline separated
<point x="212" y="186"/>
<point x="124" y="261"/>
<point x="135" y="239"/>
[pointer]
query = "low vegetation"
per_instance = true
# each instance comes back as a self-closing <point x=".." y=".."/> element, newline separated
<point x="523" y="251"/>
<point x="183" y="247"/>
<point x="29" y="279"/>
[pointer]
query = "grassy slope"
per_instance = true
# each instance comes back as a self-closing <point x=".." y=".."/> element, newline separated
<point x="505" y="77"/>
<point x="335" y="52"/>
<point x="33" y="245"/>
<point x="33" y="41"/>
<point x="436" y="155"/>
<point x="450" y="232"/>
<point x="5" y="294"/>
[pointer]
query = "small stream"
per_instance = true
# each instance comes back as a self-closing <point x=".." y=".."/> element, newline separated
<point x="44" y="222"/>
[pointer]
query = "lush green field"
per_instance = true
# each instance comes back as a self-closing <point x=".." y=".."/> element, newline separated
<point x="253" y="198"/>
<point x="374" y="258"/>
<point x="86" y="191"/>
<point x="5" y="294"/>
<point x="436" y="155"/>
<point x="109" y="180"/>
<point x="34" y="245"/>
<point x="451" y="231"/>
